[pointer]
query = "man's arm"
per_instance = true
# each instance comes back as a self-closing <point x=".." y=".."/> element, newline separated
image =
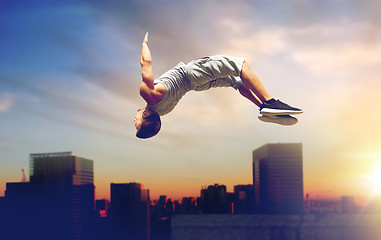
<point x="147" y="86"/>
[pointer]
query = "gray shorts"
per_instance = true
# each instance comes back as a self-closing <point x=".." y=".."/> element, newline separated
<point x="214" y="71"/>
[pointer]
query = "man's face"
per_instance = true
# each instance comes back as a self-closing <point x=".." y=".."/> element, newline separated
<point x="139" y="118"/>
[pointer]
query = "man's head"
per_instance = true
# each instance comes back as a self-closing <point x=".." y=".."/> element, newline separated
<point x="147" y="123"/>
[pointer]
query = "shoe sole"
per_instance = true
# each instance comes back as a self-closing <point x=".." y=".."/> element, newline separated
<point x="270" y="111"/>
<point x="285" y="120"/>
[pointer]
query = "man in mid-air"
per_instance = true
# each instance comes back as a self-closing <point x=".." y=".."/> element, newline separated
<point x="162" y="94"/>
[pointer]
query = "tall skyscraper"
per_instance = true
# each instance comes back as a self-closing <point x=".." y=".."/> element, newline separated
<point x="63" y="189"/>
<point x="129" y="211"/>
<point x="278" y="178"/>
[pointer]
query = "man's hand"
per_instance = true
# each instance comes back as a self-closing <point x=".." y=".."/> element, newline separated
<point x="146" y="54"/>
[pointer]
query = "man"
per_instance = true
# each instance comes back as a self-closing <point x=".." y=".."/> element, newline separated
<point x="163" y="93"/>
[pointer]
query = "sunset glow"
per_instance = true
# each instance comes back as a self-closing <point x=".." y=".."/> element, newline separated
<point x="375" y="177"/>
<point x="376" y="180"/>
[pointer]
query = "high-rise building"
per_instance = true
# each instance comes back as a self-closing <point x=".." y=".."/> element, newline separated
<point x="63" y="190"/>
<point x="215" y="200"/>
<point x="129" y="211"/>
<point x="278" y="178"/>
<point x="244" y="199"/>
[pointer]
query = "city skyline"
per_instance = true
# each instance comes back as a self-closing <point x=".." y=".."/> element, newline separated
<point x="283" y="153"/>
<point x="277" y="187"/>
<point x="60" y="199"/>
<point x="69" y="78"/>
<point x="178" y="195"/>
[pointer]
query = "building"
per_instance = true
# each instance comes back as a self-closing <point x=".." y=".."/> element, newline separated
<point x="18" y="193"/>
<point x="278" y="178"/>
<point x="215" y="200"/>
<point x="129" y="211"/>
<point x="3" y="215"/>
<point x="101" y="207"/>
<point x="57" y="203"/>
<point x="160" y="225"/>
<point x="244" y="199"/>
<point x="189" y="206"/>
<point x="63" y="192"/>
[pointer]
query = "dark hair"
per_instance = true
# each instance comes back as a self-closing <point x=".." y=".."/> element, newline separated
<point x="150" y="126"/>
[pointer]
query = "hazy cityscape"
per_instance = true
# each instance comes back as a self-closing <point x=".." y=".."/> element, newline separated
<point x="58" y="202"/>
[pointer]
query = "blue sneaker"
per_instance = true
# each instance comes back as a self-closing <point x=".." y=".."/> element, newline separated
<point x="276" y="107"/>
<point x="285" y="120"/>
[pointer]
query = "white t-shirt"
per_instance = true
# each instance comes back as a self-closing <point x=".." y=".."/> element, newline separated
<point x="198" y="75"/>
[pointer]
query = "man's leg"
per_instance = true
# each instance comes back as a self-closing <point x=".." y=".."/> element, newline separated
<point x="251" y="82"/>
<point x="281" y="120"/>
<point x="269" y="105"/>
<point x="223" y="71"/>
<point x="249" y="95"/>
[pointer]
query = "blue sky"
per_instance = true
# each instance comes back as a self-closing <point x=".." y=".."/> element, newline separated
<point x="69" y="78"/>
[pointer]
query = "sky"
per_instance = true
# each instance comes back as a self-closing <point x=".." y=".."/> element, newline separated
<point x="70" y="73"/>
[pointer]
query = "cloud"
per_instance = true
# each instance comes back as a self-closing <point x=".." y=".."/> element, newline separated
<point x="254" y="46"/>
<point x="342" y="48"/>
<point x="72" y="101"/>
<point x="360" y="114"/>
<point x="339" y="59"/>
<point x="122" y="84"/>
<point x="319" y="47"/>
<point x="6" y="102"/>
<point x="88" y="104"/>
<point x="101" y="55"/>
